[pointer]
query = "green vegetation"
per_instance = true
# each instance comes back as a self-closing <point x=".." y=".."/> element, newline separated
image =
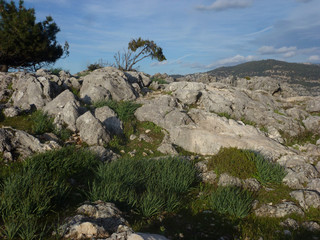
<point x="41" y="123"/>
<point x="267" y="172"/>
<point x="37" y="41"/>
<point x="138" y="49"/>
<point x="224" y="114"/>
<point x="234" y="162"/>
<point x="42" y="186"/>
<point x="159" y="80"/>
<point x="246" y="164"/>
<point x="300" y="139"/>
<point x="232" y="200"/>
<point x="163" y="182"/>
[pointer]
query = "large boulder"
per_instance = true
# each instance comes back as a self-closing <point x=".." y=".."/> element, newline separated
<point x="278" y="210"/>
<point x="91" y="130"/>
<point x="30" y="90"/>
<point x="109" y="119"/>
<point x="65" y="108"/>
<point x="104" y="83"/>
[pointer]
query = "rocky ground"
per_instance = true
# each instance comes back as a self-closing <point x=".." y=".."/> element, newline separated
<point x="198" y="117"/>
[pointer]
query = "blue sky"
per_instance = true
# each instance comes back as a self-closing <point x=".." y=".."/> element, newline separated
<point x="195" y="35"/>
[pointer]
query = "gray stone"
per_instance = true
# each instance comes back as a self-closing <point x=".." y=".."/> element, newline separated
<point x="227" y="180"/>
<point x="11" y="111"/>
<point x="65" y="108"/>
<point x="91" y="130"/>
<point x="311" y="226"/>
<point x="96" y="220"/>
<point x="313" y="105"/>
<point x="279" y="210"/>
<point x="19" y="143"/>
<point x="290" y="223"/>
<point x="312" y="123"/>
<point x="146" y="236"/>
<point x="208" y="177"/>
<point x="307" y="198"/>
<point x="138" y="77"/>
<point x="105" y="155"/>
<point x="31" y="90"/>
<point x="100" y="82"/>
<point x="109" y="119"/>
<point x="314" y="185"/>
<point x="251" y="184"/>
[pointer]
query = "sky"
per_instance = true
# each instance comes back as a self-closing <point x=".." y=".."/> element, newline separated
<point x="195" y="35"/>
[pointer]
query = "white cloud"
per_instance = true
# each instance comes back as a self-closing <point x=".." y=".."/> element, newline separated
<point x="314" y="58"/>
<point x="221" y="5"/>
<point x="261" y="31"/>
<point x="286" y="52"/>
<point x="155" y="64"/>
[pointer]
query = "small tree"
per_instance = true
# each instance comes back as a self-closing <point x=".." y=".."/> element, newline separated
<point x="25" y="43"/>
<point x="138" y="49"/>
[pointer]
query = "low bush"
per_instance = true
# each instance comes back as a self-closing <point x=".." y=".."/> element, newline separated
<point x="232" y="201"/>
<point x="56" y="71"/>
<point x="147" y="185"/>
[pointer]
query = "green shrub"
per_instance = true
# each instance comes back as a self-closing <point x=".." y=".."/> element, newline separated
<point x="232" y="201"/>
<point x="140" y="183"/>
<point x="267" y="172"/>
<point x="41" y="123"/>
<point x="233" y="161"/>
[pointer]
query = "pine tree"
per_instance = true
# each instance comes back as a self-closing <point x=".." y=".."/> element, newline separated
<point x="25" y="43"/>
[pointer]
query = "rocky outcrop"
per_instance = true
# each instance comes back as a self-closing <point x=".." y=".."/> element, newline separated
<point x="16" y="144"/>
<point x="31" y="90"/>
<point x="106" y="83"/>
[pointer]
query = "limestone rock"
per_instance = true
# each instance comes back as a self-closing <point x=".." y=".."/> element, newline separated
<point x="138" y="77"/>
<point x="32" y="90"/>
<point x="109" y="119"/>
<point x="91" y="130"/>
<point x="279" y="210"/>
<point x="19" y="143"/>
<point x="312" y="123"/>
<point x="65" y="108"/>
<point x="227" y="180"/>
<point x="96" y="220"/>
<point x="11" y="111"/>
<point x="314" y="185"/>
<point x="307" y="198"/>
<point x="104" y="154"/>
<point x="102" y="82"/>
<point x="311" y="226"/>
<point x="146" y="236"/>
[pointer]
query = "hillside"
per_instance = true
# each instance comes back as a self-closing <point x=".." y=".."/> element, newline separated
<point x="271" y="68"/>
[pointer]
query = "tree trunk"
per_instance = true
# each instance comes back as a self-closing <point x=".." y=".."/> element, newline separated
<point x="4" y="68"/>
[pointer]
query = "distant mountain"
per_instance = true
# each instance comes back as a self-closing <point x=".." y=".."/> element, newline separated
<point x="272" y="68"/>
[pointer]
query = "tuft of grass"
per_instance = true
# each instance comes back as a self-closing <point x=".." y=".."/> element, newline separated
<point x="224" y="114"/>
<point x="267" y="172"/>
<point x="232" y="201"/>
<point x="41" y="122"/>
<point x="146" y="185"/>
<point x="233" y="161"/>
<point x="42" y="186"/>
